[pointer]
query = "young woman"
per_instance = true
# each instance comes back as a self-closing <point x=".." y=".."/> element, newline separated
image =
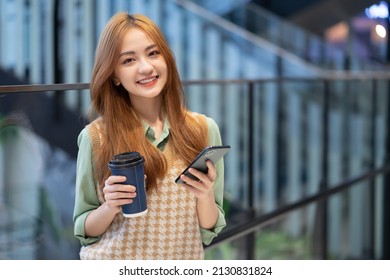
<point x="138" y="103"/>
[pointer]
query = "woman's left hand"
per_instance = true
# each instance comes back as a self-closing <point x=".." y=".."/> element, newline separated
<point x="203" y="187"/>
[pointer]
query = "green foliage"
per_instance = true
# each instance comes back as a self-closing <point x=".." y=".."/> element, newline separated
<point x="47" y="213"/>
<point x="224" y="251"/>
<point x="49" y="217"/>
<point x="227" y="204"/>
<point x="279" y="245"/>
<point x="270" y="245"/>
<point x="7" y="130"/>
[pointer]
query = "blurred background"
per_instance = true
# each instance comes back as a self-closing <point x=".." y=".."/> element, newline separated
<point x="299" y="89"/>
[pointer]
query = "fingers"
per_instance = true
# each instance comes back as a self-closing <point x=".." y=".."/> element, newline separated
<point x="116" y="193"/>
<point x="111" y="193"/>
<point x="115" y="179"/>
<point x="208" y="177"/>
<point x="203" y="185"/>
<point x="211" y="172"/>
<point x="115" y="183"/>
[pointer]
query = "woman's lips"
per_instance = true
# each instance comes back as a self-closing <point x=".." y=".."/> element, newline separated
<point x="148" y="82"/>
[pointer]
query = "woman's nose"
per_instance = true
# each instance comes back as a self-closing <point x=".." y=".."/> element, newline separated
<point x="145" y="66"/>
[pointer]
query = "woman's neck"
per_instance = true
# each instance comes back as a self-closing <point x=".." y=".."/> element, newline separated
<point x="151" y="112"/>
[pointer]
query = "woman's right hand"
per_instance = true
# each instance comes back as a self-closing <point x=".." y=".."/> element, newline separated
<point x="117" y="194"/>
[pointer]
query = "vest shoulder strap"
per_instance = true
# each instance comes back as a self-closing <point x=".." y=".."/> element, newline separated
<point x="95" y="133"/>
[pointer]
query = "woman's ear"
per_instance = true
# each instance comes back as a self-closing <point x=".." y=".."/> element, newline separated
<point x="115" y="80"/>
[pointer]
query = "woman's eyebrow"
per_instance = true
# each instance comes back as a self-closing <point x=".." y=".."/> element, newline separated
<point x="133" y="52"/>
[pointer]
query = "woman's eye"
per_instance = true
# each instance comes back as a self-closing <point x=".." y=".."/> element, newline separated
<point x="128" y="60"/>
<point x="154" y="53"/>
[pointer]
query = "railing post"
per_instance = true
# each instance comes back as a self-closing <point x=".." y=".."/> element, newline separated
<point x="386" y="181"/>
<point x="386" y="189"/>
<point x="323" y="205"/>
<point x="320" y="237"/>
<point x="251" y="238"/>
<point x="58" y="99"/>
<point x="371" y="193"/>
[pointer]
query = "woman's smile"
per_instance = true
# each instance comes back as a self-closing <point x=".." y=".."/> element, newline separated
<point x="148" y="82"/>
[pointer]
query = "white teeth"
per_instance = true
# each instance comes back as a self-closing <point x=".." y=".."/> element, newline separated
<point x="147" y="80"/>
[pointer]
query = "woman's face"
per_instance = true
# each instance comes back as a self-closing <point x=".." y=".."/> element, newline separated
<point x="140" y="69"/>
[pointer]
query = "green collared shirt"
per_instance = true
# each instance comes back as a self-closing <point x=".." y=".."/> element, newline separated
<point x="86" y="199"/>
<point x="150" y="135"/>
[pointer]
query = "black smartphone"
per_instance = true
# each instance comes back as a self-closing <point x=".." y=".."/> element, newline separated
<point x="213" y="153"/>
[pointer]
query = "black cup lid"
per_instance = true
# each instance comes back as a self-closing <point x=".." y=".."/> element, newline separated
<point x="127" y="157"/>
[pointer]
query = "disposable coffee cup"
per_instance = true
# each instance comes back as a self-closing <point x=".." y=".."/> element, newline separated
<point x="131" y="165"/>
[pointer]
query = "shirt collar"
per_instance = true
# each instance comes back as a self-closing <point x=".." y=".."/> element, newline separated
<point x="149" y="132"/>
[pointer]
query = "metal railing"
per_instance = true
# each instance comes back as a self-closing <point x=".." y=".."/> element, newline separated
<point x="258" y="219"/>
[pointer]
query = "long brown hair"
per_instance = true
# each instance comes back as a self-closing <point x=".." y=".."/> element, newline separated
<point x="123" y="128"/>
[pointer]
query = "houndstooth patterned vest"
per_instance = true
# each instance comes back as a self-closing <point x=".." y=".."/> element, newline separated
<point x="170" y="229"/>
